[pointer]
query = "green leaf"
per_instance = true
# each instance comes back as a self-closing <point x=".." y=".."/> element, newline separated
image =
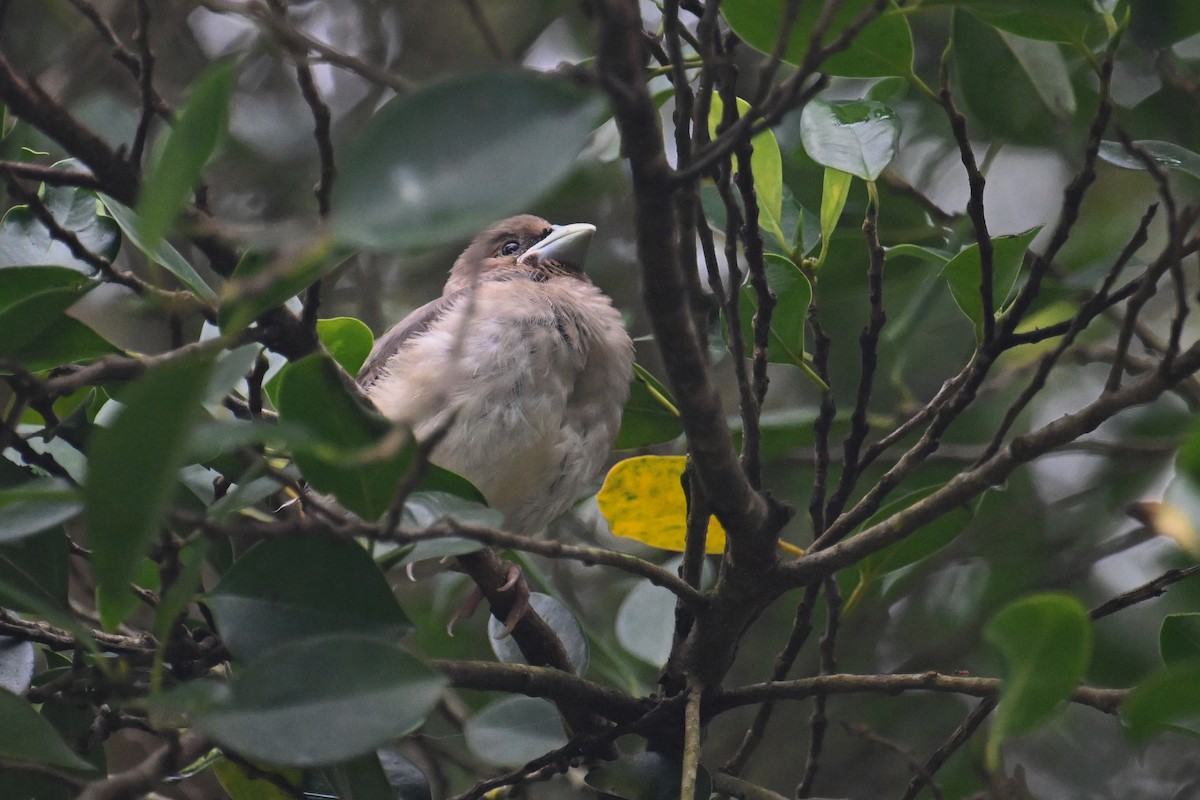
<point x="296" y="587"/>
<point x="348" y="340"/>
<point x="920" y="545"/>
<point x="964" y="274"/>
<point x="23" y="321"/>
<point x="561" y="621"/>
<point x="1018" y="88"/>
<point x="1179" y="638"/>
<point x="65" y="341"/>
<point x="926" y="254"/>
<point x="26" y="737"/>
<point x="241" y="786"/>
<point x="1049" y="20"/>
<point x="159" y="251"/>
<point x="885" y="47"/>
<point x="514" y="730"/>
<point x="859" y="137"/>
<point x="382" y="775"/>
<point x="25" y="241"/>
<point x="413" y="179"/>
<point x="765" y="162"/>
<point x="133" y="470"/>
<point x="260" y="283"/>
<point x="1046" y="641"/>
<point x="1168" y="700"/>
<point x="35" y="507"/>
<point x="321" y="701"/>
<point x="793" y="295"/>
<point x="198" y="128"/>
<point x="645" y="776"/>
<point x="650" y="416"/>
<point x="1165" y="154"/>
<point x="834" y="191"/>
<point x="358" y="456"/>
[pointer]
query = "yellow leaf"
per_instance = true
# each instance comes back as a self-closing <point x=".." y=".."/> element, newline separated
<point x="241" y="786"/>
<point x="642" y="499"/>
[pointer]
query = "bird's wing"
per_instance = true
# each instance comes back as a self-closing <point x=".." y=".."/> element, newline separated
<point x="400" y="334"/>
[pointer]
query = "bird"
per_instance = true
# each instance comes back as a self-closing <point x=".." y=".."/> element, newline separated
<point x="522" y="367"/>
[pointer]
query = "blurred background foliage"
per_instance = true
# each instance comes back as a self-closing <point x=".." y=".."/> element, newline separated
<point x="1060" y="524"/>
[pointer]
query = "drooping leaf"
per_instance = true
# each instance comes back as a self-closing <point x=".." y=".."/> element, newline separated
<point x="287" y="709"/>
<point x="413" y="178"/>
<point x="26" y="737"/>
<point x="860" y="137"/>
<point x="514" y="730"/>
<point x="133" y="469"/>
<point x="260" y="283"/>
<point x="1165" y="154"/>
<point x="1168" y="700"/>
<point x="885" y="47"/>
<point x="161" y="252"/>
<point x="194" y="136"/>
<point x="25" y="241"/>
<point x="359" y="457"/>
<point x="561" y="621"/>
<point x="834" y="191"/>
<point x="964" y="274"/>
<point x="22" y="322"/>
<point x="296" y="587"/>
<point x="642" y="499"/>
<point x="1046" y="641"/>
<point x="17" y="660"/>
<point x="765" y="162"/>
<point x="347" y="339"/>
<point x="650" y="416"/>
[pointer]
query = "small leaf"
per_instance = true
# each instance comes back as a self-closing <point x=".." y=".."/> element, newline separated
<point x="302" y="586"/>
<point x="25" y="241"/>
<point x="926" y="254"/>
<point x="514" y="730"/>
<point x="885" y="47"/>
<point x="835" y="190"/>
<point x="561" y="621"/>
<point x="26" y="737"/>
<point x="643" y="499"/>
<point x="413" y="178"/>
<point x="161" y="252"/>
<point x="133" y="470"/>
<point x="765" y="162"/>
<point x="35" y="507"/>
<point x="1166" y="154"/>
<point x="1179" y="638"/>
<point x="650" y="416"/>
<point x="360" y="457"/>
<point x="860" y="137"/>
<point x="1168" y="700"/>
<point x="285" y="709"/>
<point x="1046" y="642"/>
<point x="964" y="274"/>
<point x="192" y="140"/>
<point x="347" y="339"/>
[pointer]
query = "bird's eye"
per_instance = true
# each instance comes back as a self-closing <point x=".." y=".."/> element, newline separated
<point x="508" y="248"/>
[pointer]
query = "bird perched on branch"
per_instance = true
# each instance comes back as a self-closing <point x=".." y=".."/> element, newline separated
<point x="522" y="365"/>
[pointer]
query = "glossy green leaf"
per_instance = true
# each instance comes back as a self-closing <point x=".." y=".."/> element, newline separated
<point x="302" y="586"/>
<point x="348" y="340"/>
<point x="1168" y="700"/>
<point x="161" y="251"/>
<point x="926" y="254"/>
<point x="35" y="507"/>
<point x="1165" y="154"/>
<point x="133" y="469"/>
<point x="650" y="416"/>
<point x="514" y="730"/>
<point x="645" y="776"/>
<point x="1018" y="88"/>
<point x="26" y="737"/>
<point x="885" y="47"/>
<point x="359" y="457"/>
<point x="765" y="162"/>
<point x="793" y="295"/>
<point x="859" y="137"/>
<point x="1049" y="20"/>
<point x="1179" y="638"/>
<point x="322" y="701"/>
<point x="24" y="241"/>
<point x="834" y="191"/>
<point x="964" y="274"/>
<point x="193" y="138"/>
<point x="23" y="321"/>
<point x="413" y="179"/>
<point x="64" y="341"/>
<point x="1046" y="641"/>
<point x="561" y="621"/>
<point x="260" y="283"/>
<point x="17" y="660"/>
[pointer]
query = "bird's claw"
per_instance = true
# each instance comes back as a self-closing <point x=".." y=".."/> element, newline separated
<point x="465" y="610"/>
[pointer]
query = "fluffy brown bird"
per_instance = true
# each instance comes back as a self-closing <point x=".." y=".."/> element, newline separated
<point x="526" y="362"/>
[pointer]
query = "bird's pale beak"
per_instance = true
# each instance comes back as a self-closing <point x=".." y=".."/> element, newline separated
<point x="565" y="244"/>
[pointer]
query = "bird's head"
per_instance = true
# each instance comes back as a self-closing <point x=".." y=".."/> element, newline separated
<point x="526" y="245"/>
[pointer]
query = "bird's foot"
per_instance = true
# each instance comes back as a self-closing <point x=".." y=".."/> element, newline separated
<point x="514" y="581"/>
